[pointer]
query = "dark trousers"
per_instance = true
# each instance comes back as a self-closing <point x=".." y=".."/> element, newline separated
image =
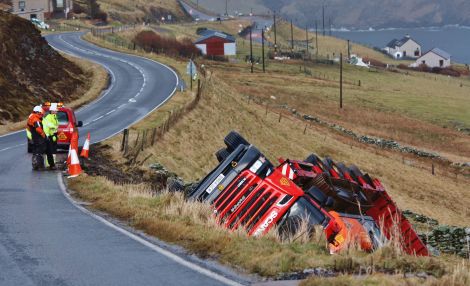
<point x="50" y="151"/>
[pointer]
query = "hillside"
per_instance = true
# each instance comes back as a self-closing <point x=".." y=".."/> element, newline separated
<point x="127" y="11"/>
<point x="31" y="71"/>
<point x="5" y="4"/>
<point x="360" y="13"/>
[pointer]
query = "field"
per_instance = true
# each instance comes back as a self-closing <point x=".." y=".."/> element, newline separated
<point x="381" y="106"/>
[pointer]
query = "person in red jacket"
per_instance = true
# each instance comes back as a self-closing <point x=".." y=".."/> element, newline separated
<point x="34" y="126"/>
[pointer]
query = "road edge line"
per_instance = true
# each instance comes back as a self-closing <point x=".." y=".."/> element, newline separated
<point x="144" y="242"/>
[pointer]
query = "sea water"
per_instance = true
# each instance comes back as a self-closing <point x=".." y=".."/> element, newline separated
<point x="453" y="39"/>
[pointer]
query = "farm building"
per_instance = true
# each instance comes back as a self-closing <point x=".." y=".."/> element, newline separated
<point x="404" y="48"/>
<point x="215" y="43"/>
<point x="41" y="9"/>
<point x="434" y="58"/>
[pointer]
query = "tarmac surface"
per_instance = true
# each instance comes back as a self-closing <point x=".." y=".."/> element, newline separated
<point x="48" y="239"/>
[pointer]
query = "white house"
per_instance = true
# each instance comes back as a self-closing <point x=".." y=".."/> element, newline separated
<point x="434" y="58"/>
<point x="41" y="9"/>
<point x="404" y="48"/>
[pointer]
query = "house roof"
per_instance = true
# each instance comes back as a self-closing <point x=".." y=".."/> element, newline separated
<point x="211" y="33"/>
<point x="441" y="53"/>
<point x="398" y="43"/>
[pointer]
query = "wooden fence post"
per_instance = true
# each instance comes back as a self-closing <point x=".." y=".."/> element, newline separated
<point x="280" y="116"/>
<point x="154" y="134"/>
<point x="137" y="139"/>
<point x="125" y="134"/>
<point x="144" y="138"/>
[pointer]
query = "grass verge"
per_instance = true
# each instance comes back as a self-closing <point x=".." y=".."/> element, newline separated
<point x="169" y="217"/>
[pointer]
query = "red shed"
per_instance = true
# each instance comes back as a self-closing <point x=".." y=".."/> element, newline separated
<point x="215" y="43"/>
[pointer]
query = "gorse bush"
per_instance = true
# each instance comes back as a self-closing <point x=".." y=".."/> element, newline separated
<point x="152" y="42"/>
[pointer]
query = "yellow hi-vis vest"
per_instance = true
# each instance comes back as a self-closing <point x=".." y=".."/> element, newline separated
<point x="50" y="124"/>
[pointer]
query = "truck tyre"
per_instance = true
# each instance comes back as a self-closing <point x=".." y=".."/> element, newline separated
<point x="222" y="154"/>
<point x="233" y="140"/>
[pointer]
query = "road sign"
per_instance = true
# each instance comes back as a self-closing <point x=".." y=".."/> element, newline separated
<point x="191" y="69"/>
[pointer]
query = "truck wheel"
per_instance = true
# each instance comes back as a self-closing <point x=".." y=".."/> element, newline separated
<point x="233" y="140"/>
<point x="222" y="154"/>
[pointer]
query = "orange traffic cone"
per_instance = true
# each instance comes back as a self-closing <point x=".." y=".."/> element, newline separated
<point x="74" y="167"/>
<point x="68" y="156"/>
<point x="73" y="145"/>
<point x="86" y="147"/>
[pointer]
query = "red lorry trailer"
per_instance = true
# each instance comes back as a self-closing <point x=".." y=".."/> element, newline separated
<point x="356" y="193"/>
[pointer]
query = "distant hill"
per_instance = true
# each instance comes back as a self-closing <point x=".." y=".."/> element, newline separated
<point x="132" y="11"/>
<point x="358" y="13"/>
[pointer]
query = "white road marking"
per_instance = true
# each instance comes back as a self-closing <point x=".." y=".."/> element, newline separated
<point x="98" y="118"/>
<point x="110" y="112"/>
<point x="12" y="147"/>
<point x="146" y="243"/>
<point x="11" y="133"/>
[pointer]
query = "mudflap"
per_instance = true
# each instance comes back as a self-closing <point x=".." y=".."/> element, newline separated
<point x="38" y="161"/>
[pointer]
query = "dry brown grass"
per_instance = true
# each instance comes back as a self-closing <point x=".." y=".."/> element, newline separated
<point x="458" y="276"/>
<point x="189" y="147"/>
<point x="411" y="109"/>
<point x="171" y="218"/>
<point x="131" y="11"/>
<point x="96" y="83"/>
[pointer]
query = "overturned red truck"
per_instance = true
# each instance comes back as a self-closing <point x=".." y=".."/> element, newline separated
<point x="247" y="191"/>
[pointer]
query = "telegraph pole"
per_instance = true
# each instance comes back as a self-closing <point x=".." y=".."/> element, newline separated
<point x="341" y="81"/>
<point x="292" y="35"/>
<point x="226" y="7"/>
<point x="262" y="49"/>
<point x="329" y="22"/>
<point x="251" y="48"/>
<point x="316" y="39"/>
<point x="323" y="15"/>
<point x="275" y="32"/>
<point x="306" y="37"/>
<point x="349" y="50"/>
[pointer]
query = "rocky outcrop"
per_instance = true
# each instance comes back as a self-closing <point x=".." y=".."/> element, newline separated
<point x="31" y="71"/>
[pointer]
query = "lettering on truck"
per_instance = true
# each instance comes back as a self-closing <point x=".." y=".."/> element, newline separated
<point x="269" y="220"/>
<point x="235" y="207"/>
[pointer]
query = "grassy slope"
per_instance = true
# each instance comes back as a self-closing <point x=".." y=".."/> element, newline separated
<point x="414" y="108"/>
<point x="138" y="10"/>
<point x="187" y="150"/>
<point x="171" y="218"/>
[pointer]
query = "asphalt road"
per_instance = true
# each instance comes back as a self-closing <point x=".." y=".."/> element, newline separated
<point x="47" y="240"/>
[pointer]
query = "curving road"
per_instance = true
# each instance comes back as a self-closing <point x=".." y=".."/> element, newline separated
<point x="45" y="239"/>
